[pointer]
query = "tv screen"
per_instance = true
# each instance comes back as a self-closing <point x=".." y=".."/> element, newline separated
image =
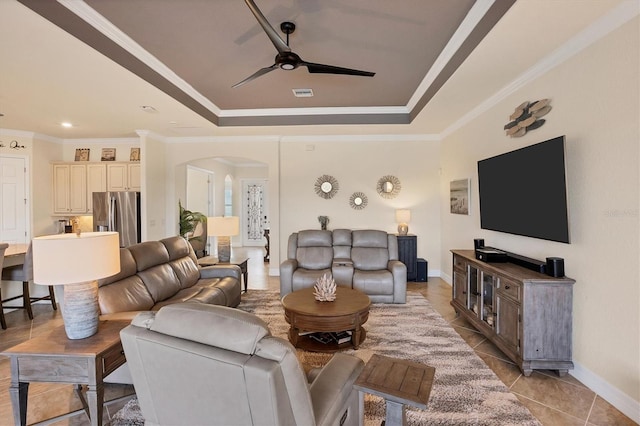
<point x="523" y="192"/>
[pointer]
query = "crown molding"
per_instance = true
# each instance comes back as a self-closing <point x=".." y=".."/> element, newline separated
<point x="599" y="29"/>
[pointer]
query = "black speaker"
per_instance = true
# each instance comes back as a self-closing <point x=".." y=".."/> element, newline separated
<point x="478" y="243"/>
<point x="421" y="275"/>
<point x="555" y="267"/>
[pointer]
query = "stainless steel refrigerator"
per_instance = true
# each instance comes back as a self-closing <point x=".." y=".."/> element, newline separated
<point x="120" y="212"/>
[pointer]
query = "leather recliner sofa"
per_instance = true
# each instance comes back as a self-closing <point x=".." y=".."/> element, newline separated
<point x="195" y="364"/>
<point x="158" y="273"/>
<point x="365" y="260"/>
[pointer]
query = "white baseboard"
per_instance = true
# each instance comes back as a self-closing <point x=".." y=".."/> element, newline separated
<point x="614" y="396"/>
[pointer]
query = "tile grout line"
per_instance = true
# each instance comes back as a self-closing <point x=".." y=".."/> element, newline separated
<point x="549" y="407"/>
<point x="593" y="404"/>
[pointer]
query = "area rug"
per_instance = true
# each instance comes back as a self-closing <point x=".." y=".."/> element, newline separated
<point x="465" y="390"/>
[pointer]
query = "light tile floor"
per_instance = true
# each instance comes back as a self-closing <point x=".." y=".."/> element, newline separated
<point x="553" y="400"/>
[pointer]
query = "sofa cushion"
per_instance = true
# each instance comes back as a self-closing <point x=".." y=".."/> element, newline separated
<point x="149" y="254"/>
<point x="370" y="238"/>
<point x="128" y="294"/>
<point x="186" y="270"/>
<point x="369" y="258"/>
<point x="373" y="282"/>
<point x="161" y="281"/>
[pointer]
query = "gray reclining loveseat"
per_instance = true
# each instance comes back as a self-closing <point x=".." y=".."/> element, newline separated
<point x="365" y="260"/>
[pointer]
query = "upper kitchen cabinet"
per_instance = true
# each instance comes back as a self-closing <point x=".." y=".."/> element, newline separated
<point x="69" y="189"/>
<point x="123" y="177"/>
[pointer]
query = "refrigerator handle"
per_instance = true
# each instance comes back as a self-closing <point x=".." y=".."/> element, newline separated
<point x="112" y="214"/>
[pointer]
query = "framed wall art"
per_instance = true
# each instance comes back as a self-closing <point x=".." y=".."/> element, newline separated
<point x="108" y="154"/>
<point x="459" y="196"/>
<point x="135" y="154"/>
<point x="82" y="154"/>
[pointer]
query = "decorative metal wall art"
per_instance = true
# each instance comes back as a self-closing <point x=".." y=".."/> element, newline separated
<point x="358" y="201"/>
<point x="526" y="117"/>
<point x="326" y="186"/>
<point x="388" y="186"/>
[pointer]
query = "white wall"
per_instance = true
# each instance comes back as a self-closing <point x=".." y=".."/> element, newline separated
<point x="595" y="100"/>
<point x="357" y="165"/>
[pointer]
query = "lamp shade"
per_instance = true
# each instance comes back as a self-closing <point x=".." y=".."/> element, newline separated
<point x="219" y="226"/>
<point x="72" y="258"/>
<point x="403" y="216"/>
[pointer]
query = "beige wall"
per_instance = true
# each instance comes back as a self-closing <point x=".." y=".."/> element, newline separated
<point x="357" y="165"/>
<point x="595" y="97"/>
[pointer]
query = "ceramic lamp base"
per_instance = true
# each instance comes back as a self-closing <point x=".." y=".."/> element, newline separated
<point x="80" y="311"/>
<point x="224" y="249"/>
<point x="403" y="229"/>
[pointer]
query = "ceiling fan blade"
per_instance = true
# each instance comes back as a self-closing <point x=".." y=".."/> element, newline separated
<point x="259" y="73"/>
<point x="277" y="41"/>
<point x="330" y="69"/>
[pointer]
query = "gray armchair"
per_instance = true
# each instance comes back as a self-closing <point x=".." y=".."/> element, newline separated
<point x="196" y="364"/>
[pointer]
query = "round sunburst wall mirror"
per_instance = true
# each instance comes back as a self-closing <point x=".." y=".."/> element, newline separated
<point x="326" y="186"/>
<point x="388" y="186"/>
<point x="358" y="201"/>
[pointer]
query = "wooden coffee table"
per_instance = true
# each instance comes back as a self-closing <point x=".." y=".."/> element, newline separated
<point x="54" y="358"/>
<point x="305" y="314"/>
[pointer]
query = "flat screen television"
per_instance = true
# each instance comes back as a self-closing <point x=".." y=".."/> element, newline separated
<point x="524" y="192"/>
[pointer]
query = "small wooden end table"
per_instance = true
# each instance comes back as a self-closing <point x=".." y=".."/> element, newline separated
<point x="399" y="382"/>
<point x="53" y="357"/>
<point x="238" y="261"/>
<point x="305" y="314"/>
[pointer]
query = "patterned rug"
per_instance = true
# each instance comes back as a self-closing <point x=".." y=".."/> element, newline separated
<point x="465" y="391"/>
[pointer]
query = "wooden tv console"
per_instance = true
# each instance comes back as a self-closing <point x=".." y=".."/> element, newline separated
<point x="526" y="314"/>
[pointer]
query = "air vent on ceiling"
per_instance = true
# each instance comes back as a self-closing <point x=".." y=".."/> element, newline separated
<point x="303" y="93"/>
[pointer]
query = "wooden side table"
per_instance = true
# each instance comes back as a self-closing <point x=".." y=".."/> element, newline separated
<point x="399" y="382"/>
<point x="241" y="262"/>
<point x="54" y="358"/>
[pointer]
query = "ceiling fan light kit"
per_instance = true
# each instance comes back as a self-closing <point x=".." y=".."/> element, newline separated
<point x="286" y="59"/>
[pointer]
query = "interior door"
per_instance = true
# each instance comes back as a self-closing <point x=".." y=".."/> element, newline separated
<point x="254" y="212"/>
<point x="13" y="193"/>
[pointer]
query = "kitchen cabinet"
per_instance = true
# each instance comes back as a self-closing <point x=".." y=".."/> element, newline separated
<point x="123" y="177"/>
<point x="526" y="314"/>
<point x="69" y="189"/>
<point x="96" y="182"/>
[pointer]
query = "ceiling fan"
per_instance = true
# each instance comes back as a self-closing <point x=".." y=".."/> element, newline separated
<point x="286" y="59"/>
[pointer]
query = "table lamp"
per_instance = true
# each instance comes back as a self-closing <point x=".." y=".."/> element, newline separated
<point x="403" y="217"/>
<point x="76" y="261"/>
<point x="223" y="228"/>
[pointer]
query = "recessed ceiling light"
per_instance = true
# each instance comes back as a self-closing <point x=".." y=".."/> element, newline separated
<point x="148" y="108"/>
<point x="303" y="93"/>
<point x="66" y="124"/>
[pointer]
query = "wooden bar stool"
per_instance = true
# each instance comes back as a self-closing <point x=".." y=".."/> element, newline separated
<point x="23" y="273"/>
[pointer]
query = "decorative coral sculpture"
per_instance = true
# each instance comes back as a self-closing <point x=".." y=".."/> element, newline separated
<point x="325" y="289"/>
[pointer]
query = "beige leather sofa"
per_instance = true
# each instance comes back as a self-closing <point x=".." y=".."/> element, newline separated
<point x="195" y="364"/>
<point x="158" y="273"/>
<point x="365" y="260"/>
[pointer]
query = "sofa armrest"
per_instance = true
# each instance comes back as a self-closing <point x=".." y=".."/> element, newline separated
<point x="286" y="276"/>
<point x="220" y="271"/>
<point x="399" y="272"/>
<point x="332" y="387"/>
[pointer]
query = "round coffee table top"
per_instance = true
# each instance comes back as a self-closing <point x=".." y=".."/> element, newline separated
<point x="348" y="302"/>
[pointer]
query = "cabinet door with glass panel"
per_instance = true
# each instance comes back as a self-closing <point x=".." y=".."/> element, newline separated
<point x="481" y="294"/>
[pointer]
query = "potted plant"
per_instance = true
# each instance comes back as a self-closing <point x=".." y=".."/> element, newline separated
<point x="189" y="220"/>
